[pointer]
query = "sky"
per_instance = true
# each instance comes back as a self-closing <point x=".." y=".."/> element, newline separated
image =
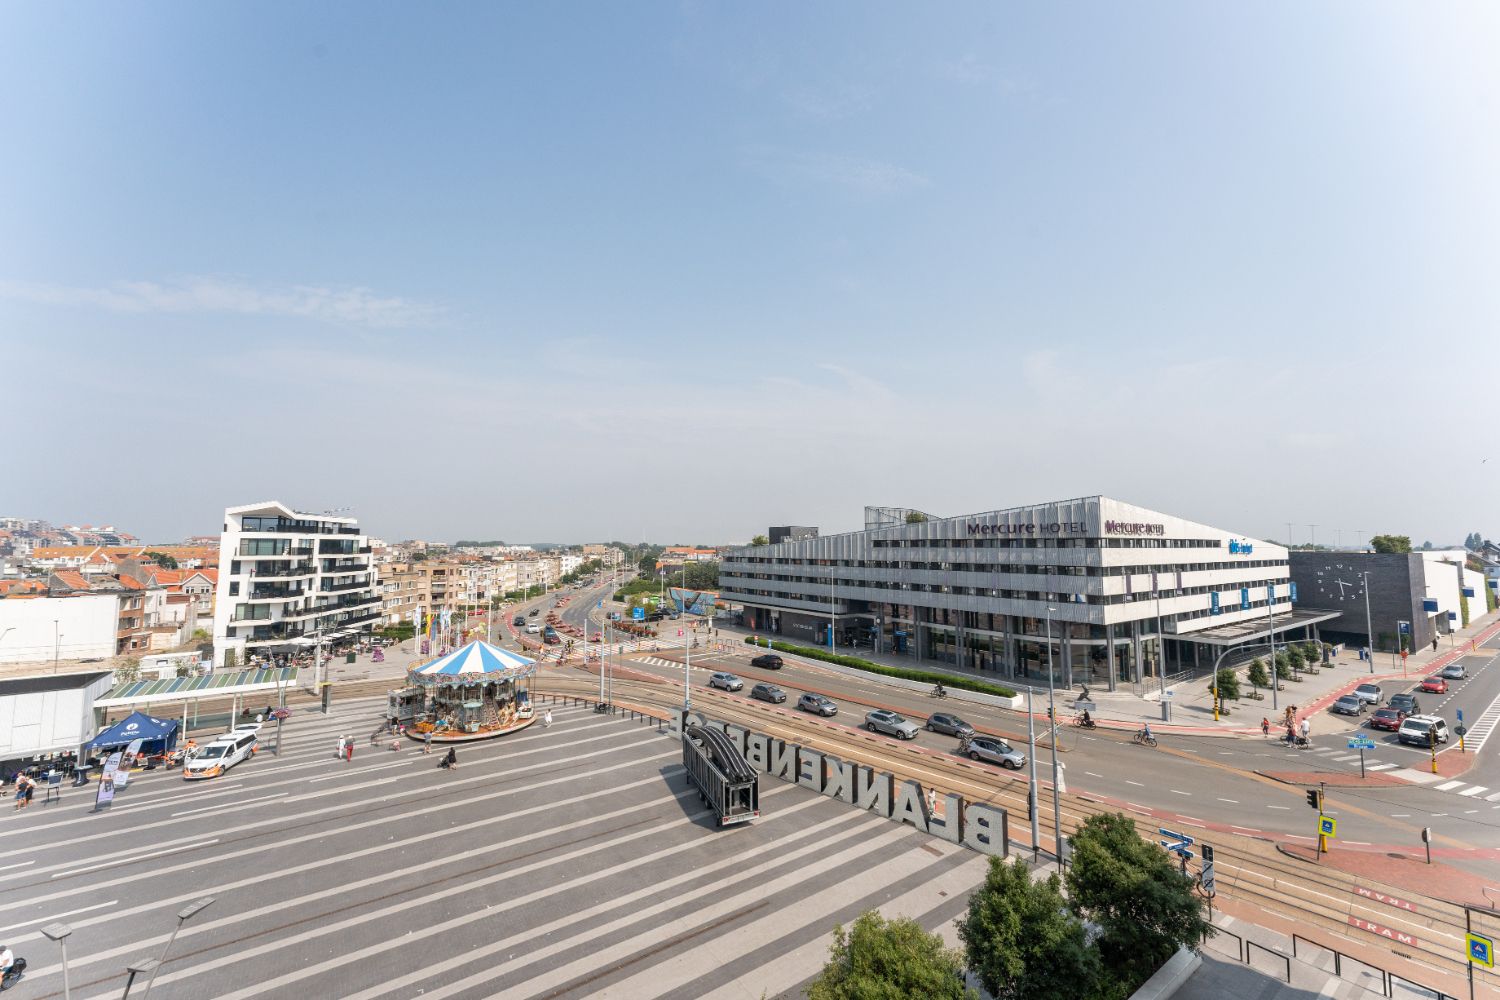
<point x="682" y="271"/>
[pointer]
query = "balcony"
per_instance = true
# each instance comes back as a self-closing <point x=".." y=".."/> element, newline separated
<point x="332" y="607"/>
<point x="331" y="568"/>
<point x="276" y="593"/>
<point x="283" y="572"/>
<point x="334" y="588"/>
<point x="342" y="549"/>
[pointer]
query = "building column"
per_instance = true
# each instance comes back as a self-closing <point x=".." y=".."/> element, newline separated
<point x="1067" y="658"/>
<point x="1109" y="653"/>
<point x="1135" y="650"/>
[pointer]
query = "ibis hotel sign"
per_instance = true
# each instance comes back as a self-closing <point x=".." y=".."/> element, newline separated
<point x="974" y="825"/>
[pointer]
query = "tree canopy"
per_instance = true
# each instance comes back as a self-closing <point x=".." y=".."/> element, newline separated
<point x="162" y="559"/>
<point x="879" y="959"/>
<point x="1145" y="906"/>
<point x="1391" y="543"/>
<point x="1022" y="941"/>
<point x="760" y="540"/>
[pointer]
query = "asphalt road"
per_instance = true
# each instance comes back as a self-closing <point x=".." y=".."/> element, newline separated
<point x="564" y="862"/>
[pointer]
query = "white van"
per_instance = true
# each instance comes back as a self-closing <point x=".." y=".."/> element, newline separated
<point x="219" y="756"/>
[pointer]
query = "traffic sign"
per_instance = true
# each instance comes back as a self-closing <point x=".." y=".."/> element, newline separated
<point x="1328" y="826"/>
<point x="1460" y="729"/>
<point x="639" y="614"/>
<point x="1177" y="843"/>
<point x="1481" y="950"/>
<point x="1361" y="743"/>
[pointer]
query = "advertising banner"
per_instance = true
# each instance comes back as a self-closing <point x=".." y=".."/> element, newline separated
<point x="106" y="793"/>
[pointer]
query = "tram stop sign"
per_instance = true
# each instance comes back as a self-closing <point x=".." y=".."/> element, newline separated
<point x="1480" y="950"/>
<point x="1328" y="826"/>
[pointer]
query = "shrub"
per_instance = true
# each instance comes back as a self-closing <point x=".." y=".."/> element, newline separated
<point x="889" y="958"/>
<point x="925" y="677"/>
<point x="1257" y="675"/>
<point x="1022" y="941"/>
<point x="1229" y="684"/>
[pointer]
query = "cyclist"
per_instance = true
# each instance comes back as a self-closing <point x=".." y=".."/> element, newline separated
<point x="1145" y="733"/>
<point x="1086" y="721"/>
<point x="939" y="691"/>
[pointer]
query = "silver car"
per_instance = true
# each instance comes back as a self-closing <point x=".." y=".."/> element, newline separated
<point x="995" y="751"/>
<point x="728" y="682"/>
<point x="1454" y="672"/>
<point x="817" y="704"/>
<point x="944" y="722"/>
<point x="1368" y="693"/>
<point x="881" y="721"/>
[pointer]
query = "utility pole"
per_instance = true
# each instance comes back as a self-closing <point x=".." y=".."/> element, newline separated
<point x="1369" y="627"/>
<point x="1031" y="803"/>
<point x="1052" y="719"/>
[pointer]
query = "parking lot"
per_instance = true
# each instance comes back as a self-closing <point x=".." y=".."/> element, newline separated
<point x="570" y="861"/>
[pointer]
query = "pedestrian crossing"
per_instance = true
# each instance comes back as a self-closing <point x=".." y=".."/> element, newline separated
<point x="1408" y="774"/>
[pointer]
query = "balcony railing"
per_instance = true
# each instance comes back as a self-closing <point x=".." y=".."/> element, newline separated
<point x="335" y="568"/>
<point x="276" y="593"/>
<point x="283" y="572"/>
<point x="334" y="588"/>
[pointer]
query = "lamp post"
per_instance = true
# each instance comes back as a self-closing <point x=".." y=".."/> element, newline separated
<point x="1052" y="720"/>
<point x="59" y="933"/>
<point x="185" y="914"/>
<point x="138" y="968"/>
<point x="1031" y="802"/>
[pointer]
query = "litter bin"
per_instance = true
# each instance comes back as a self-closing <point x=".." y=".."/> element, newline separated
<point x="348" y="657"/>
<point x="1166" y="710"/>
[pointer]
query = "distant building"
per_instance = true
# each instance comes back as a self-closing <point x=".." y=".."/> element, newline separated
<point x="288" y="579"/>
<point x="790" y="533"/>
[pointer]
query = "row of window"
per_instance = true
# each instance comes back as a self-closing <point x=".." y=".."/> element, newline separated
<point x="1048" y="543"/>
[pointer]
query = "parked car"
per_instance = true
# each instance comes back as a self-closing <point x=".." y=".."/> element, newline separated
<point x="890" y="723"/>
<point x="768" y="692"/>
<point x="770" y="661"/>
<point x="1416" y="728"/>
<point x="1389" y="719"/>
<point x="1349" y="704"/>
<point x="942" y="722"/>
<point x="1454" y="672"/>
<point x="1406" y="702"/>
<point x="1434" y="685"/>
<point x="996" y="751"/>
<point x="727" y="681"/>
<point x="1368" y="692"/>
<point x="817" y="704"/>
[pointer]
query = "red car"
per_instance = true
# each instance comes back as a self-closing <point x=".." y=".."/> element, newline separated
<point x="1387" y="718"/>
<point x="1434" y="684"/>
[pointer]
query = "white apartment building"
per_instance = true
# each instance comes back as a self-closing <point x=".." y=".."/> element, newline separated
<point x="289" y="578"/>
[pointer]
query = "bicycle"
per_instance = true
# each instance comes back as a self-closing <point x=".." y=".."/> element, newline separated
<point x="1083" y="723"/>
<point x="1143" y="739"/>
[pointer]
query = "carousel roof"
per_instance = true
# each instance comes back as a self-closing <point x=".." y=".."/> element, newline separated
<point x="476" y="661"/>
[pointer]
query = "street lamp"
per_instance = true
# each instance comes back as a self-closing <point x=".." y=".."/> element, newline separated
<point x="138" y="968"/>
<point x="185" y="914"/>
<point x="1052" y="719"/>
<point x="59" y="933"/>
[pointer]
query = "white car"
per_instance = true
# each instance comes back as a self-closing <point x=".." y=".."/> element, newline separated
<point x="533" y="629"/>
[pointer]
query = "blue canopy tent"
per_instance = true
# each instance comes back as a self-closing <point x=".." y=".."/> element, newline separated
<point x="156" y="735"/>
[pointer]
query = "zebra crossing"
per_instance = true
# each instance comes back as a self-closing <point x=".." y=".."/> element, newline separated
<point x="1401" y="773"/>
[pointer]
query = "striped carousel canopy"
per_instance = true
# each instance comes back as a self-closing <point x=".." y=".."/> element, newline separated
<point x="478" y="661"/>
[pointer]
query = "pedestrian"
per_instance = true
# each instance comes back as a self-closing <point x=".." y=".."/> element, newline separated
<point x="1265" y="727"/>
<point x="340" y="751"/>
<point x="1306" y="729"/>
<point x="427" y="741"/>
<point x="349" y="750"/>
<point x="20" y="790"/>
<point x="931" y="802"/>
<point x="547" y="719"/>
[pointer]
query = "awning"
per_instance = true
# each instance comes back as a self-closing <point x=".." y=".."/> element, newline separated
<point x="138" y="726"/>
<point x="192" y="688"/>
<point x="1258" y="629"/>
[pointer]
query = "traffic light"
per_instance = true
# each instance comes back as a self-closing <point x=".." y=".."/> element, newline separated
<point x="1208" y="854"/>
<point x="1315" y="798"/>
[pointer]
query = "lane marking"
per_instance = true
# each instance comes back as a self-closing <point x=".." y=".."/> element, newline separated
<point x="1231" y="801"/>
<point x="227" y="805"/>
<point x="58" y="916"/>
<point x="133" y="859"/>
<point x="19" y="864"/>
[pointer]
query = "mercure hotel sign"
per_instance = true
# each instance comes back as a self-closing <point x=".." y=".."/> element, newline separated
<point x="974" y="825"/>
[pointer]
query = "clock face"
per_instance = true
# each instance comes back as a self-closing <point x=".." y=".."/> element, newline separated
<point x="1337" y="582"/>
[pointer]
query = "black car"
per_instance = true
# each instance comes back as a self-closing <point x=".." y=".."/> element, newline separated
<point x="1405" y="702"/>
<point x="769" y="661"/>
<point x="942" y="722"/>
<point x="768" y="692"/>
<point x="518" y="620"/>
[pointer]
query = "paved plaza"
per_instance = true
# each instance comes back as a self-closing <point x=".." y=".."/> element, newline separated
<point x="564" y="862"/>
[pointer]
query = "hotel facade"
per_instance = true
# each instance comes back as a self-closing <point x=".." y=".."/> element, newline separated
<point x="1127" y="594"/>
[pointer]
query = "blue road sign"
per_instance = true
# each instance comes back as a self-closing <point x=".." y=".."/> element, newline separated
<point x="1460" y="715"/>
<point x="1177" y="843"/>
<point x="1328" y="826"/>
<point x="1481" y="950"/>
<point x="639" y="614"/>
<point x="1405" y="627"/>
<point x="1361" y="743"/>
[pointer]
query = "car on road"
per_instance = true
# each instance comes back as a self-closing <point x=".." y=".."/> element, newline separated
<point x="1434" y="685"/>
<point x="596" y="637"/>
<point x="890" y="723"/>
<point x="769" y="661"/>
<point x="724" y="680"/>
<point x="1416" y="728"/>
<point x="533" y="629"/>
<point x="1349" y="704"/>
<point x="1454" y="672"/>
<point x="219" y="756"/>
<point x="1406" y="702"/>
<point x="942" y="722"/>
<point x="768" y="692"/>
<point x="518" y="620"/>
<point x="1369" y="693"/>
<point x="996" y="751"/>
<point x="817" y="704"/>
<point x="1389" y="719"/>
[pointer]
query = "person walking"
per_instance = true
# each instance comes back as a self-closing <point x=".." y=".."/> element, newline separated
<point x="547" y="720"/>
<point x="427" y="741"/>
<point x="1265" y="727"/>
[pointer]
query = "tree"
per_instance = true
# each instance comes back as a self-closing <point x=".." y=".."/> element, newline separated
<point x="1145" y="906"/>
<point x="162" y="559"/>
<point x="1257" y="675"/>
<point x="1313" y="653"/>
<point x="888" y="960"/>
<point x="760" y="540"/>
<point x="1294" y="658"/>
<point x="915" y="517"/>
<point x="1391" y="543"/>
<point x="130" y="671"/>
<point x="1021" y="940"/>
<point x="1283" y="668"/>
<point x="1229" y="684"/>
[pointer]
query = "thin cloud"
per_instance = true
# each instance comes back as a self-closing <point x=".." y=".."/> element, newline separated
<point x="860" y="176"/>
<point x="355" y="306"/>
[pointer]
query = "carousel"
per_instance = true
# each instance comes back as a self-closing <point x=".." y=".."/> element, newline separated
<point x="476" y="692"/>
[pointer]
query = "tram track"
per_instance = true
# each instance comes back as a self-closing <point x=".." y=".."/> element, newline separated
<point x="1259" y="875"/>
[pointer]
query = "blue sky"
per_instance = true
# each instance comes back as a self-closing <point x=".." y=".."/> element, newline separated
<point x="683" y="271"/>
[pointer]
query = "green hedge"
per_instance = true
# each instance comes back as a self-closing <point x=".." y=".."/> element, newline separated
<point x="926" y="677"/>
